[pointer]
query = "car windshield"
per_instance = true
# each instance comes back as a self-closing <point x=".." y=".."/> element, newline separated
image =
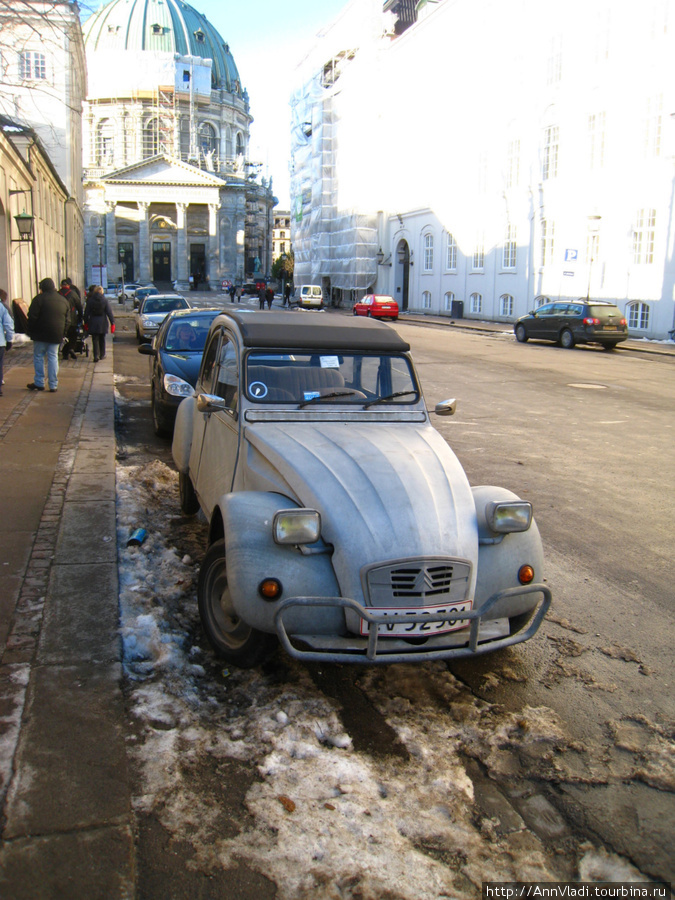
<point x="187" y="335"/>
<point x="155" y="305"/>
<point x="316" y="378"/>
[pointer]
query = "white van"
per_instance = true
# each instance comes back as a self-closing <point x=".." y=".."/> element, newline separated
<point x="309" y="296"/>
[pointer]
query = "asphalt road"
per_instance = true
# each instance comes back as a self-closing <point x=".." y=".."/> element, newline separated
<point x="587" y="436"/>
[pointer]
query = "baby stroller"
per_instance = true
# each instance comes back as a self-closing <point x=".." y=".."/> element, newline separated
<point x="76" y="342"/>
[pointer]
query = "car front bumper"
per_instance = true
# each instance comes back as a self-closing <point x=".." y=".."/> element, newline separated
<point x="478" y="638"/>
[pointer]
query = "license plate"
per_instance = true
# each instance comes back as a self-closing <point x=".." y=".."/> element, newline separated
<point x="452" y="623"/>
<point x="610" y="328"/>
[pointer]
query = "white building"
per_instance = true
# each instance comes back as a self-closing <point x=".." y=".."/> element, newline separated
<point x="166" y="134"/>
<point x="490" y="156"/>
<point x="281" y="233"/>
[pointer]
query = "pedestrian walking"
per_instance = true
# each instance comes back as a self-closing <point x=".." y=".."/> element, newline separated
<point x="261" y="296"/>
<point x="6" y="335"/>
<point x="4" y="299"/>
<point x="269" y="296"/>
<point x="231" y="292"/>
<point x="48" y="317"/>
<point x="72" y="295"/>
<point x="237" y="293"/>
<point x="287" y="294"/>
<point x="97" y="313"/>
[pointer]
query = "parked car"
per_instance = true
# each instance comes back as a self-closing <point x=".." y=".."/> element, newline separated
<point x="309" y="296"/>
<point x="142" y="292"/>
<point x="152" y="312"/>
<point x="176" y="355"/>
<point x="379" y="306"/>
<point x="340" y="521"/>
<point x="126" y="290"/>
<point x="581" y="322"/>
<point x="250" y="288"/>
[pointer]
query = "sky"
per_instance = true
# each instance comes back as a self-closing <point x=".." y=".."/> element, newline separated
<point x="267" y="40"/>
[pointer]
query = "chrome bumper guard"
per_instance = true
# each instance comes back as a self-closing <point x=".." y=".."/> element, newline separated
<point x="369" y="655"/>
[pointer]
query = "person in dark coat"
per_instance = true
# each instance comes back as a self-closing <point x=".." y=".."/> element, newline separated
<point x="97" y="313"/>
<point x="48" y="318"/>
<point x="72" y="295"/>
<point x="261" y="296"/>
<point x="269" y="296"/>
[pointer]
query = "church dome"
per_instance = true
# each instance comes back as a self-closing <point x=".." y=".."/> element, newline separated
<point x="161" y="26"/>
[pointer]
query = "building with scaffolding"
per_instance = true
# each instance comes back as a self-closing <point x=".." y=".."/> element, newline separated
<point x="168" y="181"/>
<point x="481" y="158"/>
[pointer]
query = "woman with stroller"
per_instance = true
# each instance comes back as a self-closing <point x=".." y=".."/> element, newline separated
<point x="97" y="313"/>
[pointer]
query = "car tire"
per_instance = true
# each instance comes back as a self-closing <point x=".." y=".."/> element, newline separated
<point x="521" y="334"/>
<point x="162" y="428"/>
<point x="566" y="339"/>
<point x="354" y="312"/>
<point x="232" y="639"/>
<point x="189" y="504"/>
<point x="138" y="336"/>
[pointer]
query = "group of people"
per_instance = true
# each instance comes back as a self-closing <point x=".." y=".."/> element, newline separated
<point x="53" y="324"/>
<point x="265" y="295"/>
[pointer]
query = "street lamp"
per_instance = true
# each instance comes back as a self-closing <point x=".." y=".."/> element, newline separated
<point x="100" y="238"/>
<point x="24" y="222"/>
<point x="593" y="229"/>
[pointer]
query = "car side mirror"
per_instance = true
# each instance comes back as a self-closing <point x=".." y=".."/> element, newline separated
<point x="147" y="350"/>
<point x="532" y="312"/>
<point x="446" y="408"/>
<point x="208" y="403"/>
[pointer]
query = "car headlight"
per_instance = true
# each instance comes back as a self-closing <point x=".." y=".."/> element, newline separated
<point x="177" y="387"/>
<point x="297" y="526"/>
<point x="505" y="517"/>
<point x="147" y="322"/>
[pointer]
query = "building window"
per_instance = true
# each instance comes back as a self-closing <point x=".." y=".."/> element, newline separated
<point x="479" y="252"/>
<point x="282" y="235"/>
<point x="208" y="141"/>
<point x="150" y="139"/>
<point x="547" y="242"/>
<point x="550" y="160"/>
<point x="513" y="165"/>
<point x="448" y="300"/>
<point x="451" y="259"/>
<point x="506" y="305"/>
<point x="428" y="252"/>
<point x="596" y="140"/>
<point x="540" y="301"/>
<point x="282" y="247"/>
<point x="509" y="255"/>
<point x="638" y="316"/>
<point x="426" y="300"/>
<point x="653" y="123"/>
<point x="32" y="66"/>
<point x="105" y="142"/>
<point x="200" y="37"/>
<point x="476" y="303"/>
<point x="643" y="237"/>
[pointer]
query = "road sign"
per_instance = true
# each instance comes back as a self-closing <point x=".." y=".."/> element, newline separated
<point x="571" y="255"/>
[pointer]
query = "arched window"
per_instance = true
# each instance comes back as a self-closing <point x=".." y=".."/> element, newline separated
<point x="105" y="142"/>
<point x="539" y="301"/>
<point x="428" y="252"/>
<point x="208" y="140"/>
<point x="506" y="305"/>
<point x="476" y="303"/>
<point x="448" y="300"/>
<point x="426" y="300"/>
<point x="451" y="260"/>
<point x="638" y="316"/>
<point x="240" y="144"/>
<point x="150" y="139"/>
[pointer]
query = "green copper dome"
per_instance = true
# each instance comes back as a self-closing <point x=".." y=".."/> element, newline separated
<point x="164" y="26"/>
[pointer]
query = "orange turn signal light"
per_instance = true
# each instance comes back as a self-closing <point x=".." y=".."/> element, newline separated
<point x="270" y="588"/>
<point x="525" y="574"/>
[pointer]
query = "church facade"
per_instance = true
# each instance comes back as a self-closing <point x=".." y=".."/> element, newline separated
<point x="170" y="195"/>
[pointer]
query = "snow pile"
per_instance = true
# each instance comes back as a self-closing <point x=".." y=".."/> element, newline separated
<point x="325" y="821"/>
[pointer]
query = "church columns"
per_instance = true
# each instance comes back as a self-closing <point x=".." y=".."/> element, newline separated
<point x="110" y="238"/>
<point x="213" y="264"/>
<point x="181" y="245"/>
<point x="145" y="261"/>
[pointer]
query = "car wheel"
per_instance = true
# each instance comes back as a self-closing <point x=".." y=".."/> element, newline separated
<point x="189" y="504"/>
<point x="159" y="421"/>
<point x="354" y="312"/>
<point x="611" y="346"/>
<point x="138" y="336"/>
<point x="231" y="638"/>
<point x="368" y="314"/>
<point x="521" y="334"/>
<point x="567" y="339"/>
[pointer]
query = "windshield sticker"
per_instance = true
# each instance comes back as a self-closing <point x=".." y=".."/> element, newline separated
<point x="330" y="362"/>
<point x="310" y="395"/>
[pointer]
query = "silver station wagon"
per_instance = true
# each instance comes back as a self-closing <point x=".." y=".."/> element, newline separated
<point x="340" y="521"/>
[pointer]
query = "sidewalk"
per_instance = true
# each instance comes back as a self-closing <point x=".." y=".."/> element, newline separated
<point x="66" y="812"/>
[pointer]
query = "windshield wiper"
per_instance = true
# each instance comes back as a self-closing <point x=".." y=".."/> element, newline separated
<point x="320" y="397"/>
<point x="388" y="397"/>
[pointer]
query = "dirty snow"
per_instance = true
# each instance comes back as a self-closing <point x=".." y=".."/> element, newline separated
<point x="328" y="821"/>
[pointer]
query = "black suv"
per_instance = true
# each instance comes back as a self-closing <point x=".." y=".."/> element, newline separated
<point x="580" y="322"/>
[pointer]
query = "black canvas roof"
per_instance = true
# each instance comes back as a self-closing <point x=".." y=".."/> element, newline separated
<point x="314" y="331"/>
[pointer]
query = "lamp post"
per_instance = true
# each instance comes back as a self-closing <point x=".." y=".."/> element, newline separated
<point x="100" y="238"/>
<point x="593" y="229"/>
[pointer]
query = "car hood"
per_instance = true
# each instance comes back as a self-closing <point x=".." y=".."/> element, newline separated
<point x="183" y="364"/>
<point x="384" y="490"/>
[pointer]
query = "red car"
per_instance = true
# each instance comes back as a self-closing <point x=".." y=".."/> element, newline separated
<point x="379" y="306"/>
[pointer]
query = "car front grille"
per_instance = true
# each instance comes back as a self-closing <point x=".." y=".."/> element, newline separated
<point x="418" y="582"/>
